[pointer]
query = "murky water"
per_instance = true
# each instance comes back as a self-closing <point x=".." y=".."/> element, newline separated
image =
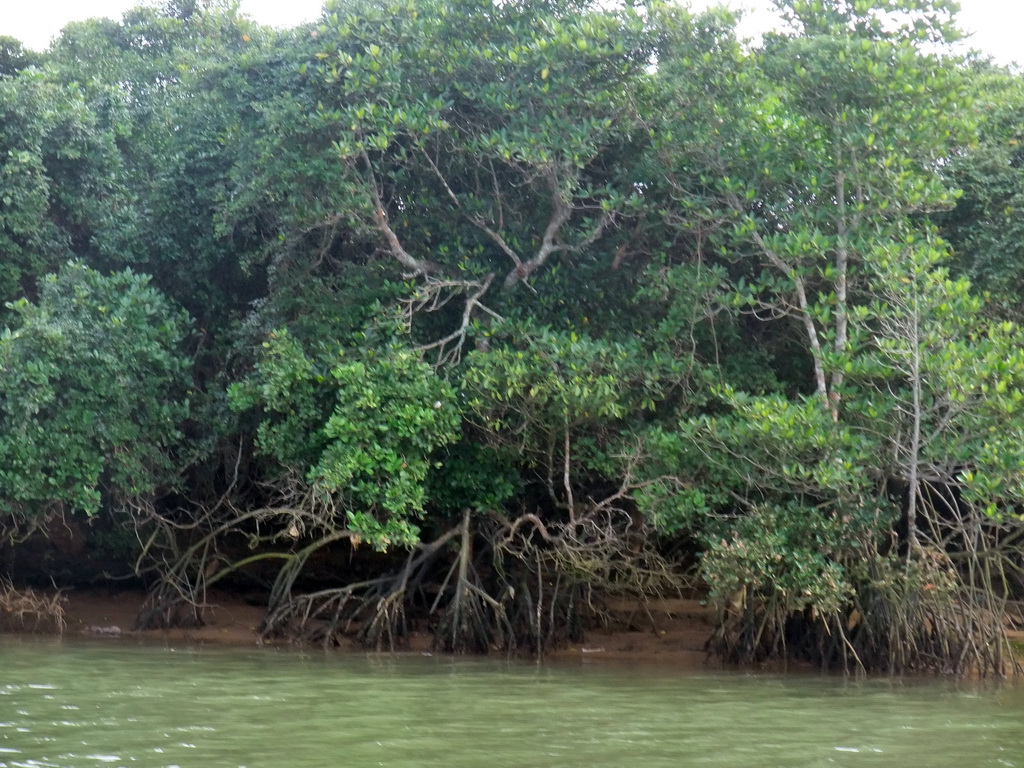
<point x="76" y="704"/>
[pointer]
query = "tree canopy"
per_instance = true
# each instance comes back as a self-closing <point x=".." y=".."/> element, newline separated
<point x="470" y="315"/>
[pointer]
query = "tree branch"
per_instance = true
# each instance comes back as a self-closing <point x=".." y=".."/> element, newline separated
<point x="415" y="266"/>
<point x="459" y="334"/>
<point x="561" y="211"/>
<point x="817" y="356"/>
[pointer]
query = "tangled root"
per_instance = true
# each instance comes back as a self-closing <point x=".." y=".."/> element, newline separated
<point x="20" y="608"/>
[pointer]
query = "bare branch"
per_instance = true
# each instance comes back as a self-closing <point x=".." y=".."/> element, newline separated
<point x="415" y="266"/>
<point x="458" y="336"/>
<point x="804" y="306"/>
<point x="561" y="211"/>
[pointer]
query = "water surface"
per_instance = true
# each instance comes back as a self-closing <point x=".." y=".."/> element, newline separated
<point x="78" y="703"/>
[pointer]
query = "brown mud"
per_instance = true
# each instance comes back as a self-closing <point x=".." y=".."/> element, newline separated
<point x="667" y="632"/>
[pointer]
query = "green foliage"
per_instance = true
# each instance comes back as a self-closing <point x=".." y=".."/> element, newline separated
<point x="790" y="552"/>
<point x="94" y="388"/>
<point x="288" y="384"/>
<point x="14" y="57"/>
<point x="826" y="142"/>
<point x="936" y="366"/>
<point x="392" y="413"/>
<point x="362" y="426"/>
<point x="914" y="22"/>
<point x="763" y="450"/>
<point x="34" y="116"/>
<point x="701" y="278"/>
<point x="475" y="476"/>
<point x="549" y="380"/>
<point x="823" y="170"/>
<point x="569" y="410"/>
<point x="173" y="93"/>
<point x="489" y="134"/>
<point x="984" y="230"/>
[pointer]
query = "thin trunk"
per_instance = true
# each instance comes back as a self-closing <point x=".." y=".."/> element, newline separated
<point x="817" y="356"/>
<point x="566" y="466"/>
<point x="915" y="435"/>
<point x="842" y="270"/>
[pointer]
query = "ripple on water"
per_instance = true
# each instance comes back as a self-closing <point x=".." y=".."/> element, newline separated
<point x="82" y="704"/>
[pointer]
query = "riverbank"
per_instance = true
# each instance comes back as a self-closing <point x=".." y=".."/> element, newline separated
<point x="670" y="632"/>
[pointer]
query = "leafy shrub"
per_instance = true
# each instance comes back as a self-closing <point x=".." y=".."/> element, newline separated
<point x="93" y="388"/>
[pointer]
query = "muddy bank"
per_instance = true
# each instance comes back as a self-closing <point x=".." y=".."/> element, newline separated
<point x="667" y="632"/>
<point x="112" y="613"/>
<point x="670" y="632"/>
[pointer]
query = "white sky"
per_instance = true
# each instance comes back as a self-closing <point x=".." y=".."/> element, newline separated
<point x="36" y="22"/>
<point x="997" y="25"/>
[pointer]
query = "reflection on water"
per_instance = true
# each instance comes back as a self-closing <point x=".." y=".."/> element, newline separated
<point x="76" y="704"/>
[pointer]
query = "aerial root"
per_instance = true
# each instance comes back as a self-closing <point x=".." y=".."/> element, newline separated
<point x="903" y="619"/>
<point x="473" y="621"/>
<point x="18" y="607"/>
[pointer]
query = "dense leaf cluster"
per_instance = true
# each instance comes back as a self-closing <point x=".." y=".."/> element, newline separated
<point x="561" y="283"/>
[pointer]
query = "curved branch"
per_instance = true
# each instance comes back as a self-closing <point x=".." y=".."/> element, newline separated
<point x="458" y="336"/>
<point x="561" y="211"/>
<point x="415" y="266"/>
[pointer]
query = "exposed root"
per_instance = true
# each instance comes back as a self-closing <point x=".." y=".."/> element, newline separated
<point x="27" y="610"/>
<point x="486" y="584"/>
<point x="548" y="614"/>
<point x="187" y="559"/>
<point x="373" y="611"/>
<point x="904" y="617"/>
<point x="567" y="569"/>
<point x="509" y="587"/>
<point x="473" y="621"/>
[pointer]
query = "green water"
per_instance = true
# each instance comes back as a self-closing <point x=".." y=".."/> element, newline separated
<point x="117" y="703"/>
